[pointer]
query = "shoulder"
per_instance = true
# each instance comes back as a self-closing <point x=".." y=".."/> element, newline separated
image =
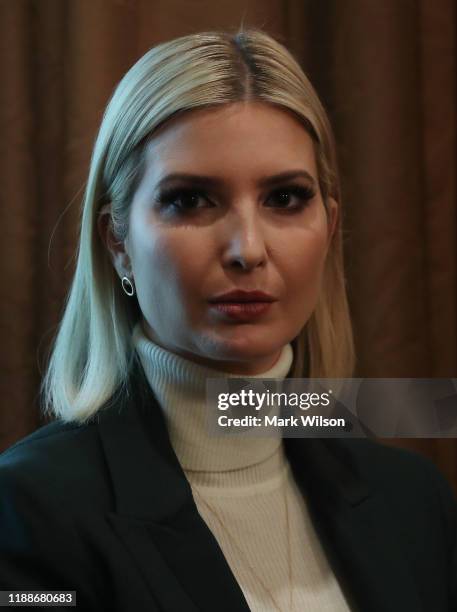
<point x="46" y="485"/>
<point x="383" y="464"/>
<point x="46" y="445"/>
<point x="395" y="468"/>
<point x="52" y="465"/>
<point x="411" y="485"/>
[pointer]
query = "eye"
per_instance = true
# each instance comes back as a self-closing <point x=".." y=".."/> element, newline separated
<point x="181" y="199"/>
<point x="300" y="193"/>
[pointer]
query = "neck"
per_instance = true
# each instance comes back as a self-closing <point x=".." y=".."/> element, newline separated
<point x="180" y="388"/>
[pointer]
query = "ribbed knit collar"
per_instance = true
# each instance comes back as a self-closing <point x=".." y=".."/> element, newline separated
<point x="180" y="387"/>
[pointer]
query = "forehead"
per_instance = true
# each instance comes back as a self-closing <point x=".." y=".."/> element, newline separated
<point x="240" y="140"/>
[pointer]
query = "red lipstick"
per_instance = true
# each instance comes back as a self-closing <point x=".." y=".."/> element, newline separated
<point x="242" y="305"/>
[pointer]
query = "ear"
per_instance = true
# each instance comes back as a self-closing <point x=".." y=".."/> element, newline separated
<point x="116" y="249"/>
<point x="332" y="215"/>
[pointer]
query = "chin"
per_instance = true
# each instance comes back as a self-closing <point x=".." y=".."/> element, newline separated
<point x="245" y="347"/>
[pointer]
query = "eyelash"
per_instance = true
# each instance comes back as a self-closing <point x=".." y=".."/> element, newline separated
<point x="168" y="197"/>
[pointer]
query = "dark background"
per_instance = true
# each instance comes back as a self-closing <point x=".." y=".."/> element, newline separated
<point x="386" y="72"/>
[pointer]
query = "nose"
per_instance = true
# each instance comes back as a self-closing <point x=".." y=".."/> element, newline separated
<point x="244" y="241"/>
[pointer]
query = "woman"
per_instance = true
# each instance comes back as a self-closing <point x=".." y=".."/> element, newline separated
<point x="214" y="171"/>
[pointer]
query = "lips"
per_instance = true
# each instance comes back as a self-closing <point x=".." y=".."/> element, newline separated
<point x="241" y="311"/>
<point x="241" y="296"/>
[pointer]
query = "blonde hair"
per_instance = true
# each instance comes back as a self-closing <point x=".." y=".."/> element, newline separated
<point x="92" y="354"/>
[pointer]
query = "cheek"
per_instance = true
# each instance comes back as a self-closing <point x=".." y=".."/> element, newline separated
<point x="305" y="264"/>
<point x="167" y="262"/>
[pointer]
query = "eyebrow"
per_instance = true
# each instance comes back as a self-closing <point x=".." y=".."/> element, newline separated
<point x="212" y="181"/>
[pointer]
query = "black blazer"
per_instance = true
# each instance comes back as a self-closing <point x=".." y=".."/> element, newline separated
<point x="105" y="509"/>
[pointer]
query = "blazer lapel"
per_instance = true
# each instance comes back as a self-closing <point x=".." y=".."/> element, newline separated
<point x="156" y="517"/>
<point x="155" y="514"/>
<point x="353" y="523"/>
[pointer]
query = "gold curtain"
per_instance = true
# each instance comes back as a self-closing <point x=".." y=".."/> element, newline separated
<point x="384" y="70"/>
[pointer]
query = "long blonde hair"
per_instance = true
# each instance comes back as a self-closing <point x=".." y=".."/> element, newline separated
<point x="92" y="354"/>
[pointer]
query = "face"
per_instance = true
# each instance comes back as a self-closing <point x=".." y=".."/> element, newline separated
<point x="191" y="239"/>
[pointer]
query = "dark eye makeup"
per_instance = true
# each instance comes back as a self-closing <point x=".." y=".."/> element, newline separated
<point x="184" y="200"/>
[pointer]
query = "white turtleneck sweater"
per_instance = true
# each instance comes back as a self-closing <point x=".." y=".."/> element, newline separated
<point x="244" y="490"/>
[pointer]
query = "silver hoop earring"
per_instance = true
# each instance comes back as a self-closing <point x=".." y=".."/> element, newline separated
<point x="127" y="286"/>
